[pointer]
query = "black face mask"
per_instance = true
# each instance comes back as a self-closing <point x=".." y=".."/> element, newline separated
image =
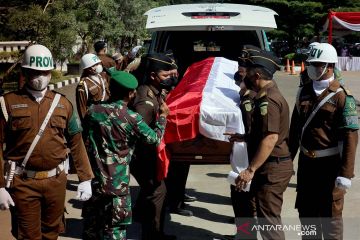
<point x="237" y="77"/>
<point x="248" y="83"/>
<point x="168" y="83"/>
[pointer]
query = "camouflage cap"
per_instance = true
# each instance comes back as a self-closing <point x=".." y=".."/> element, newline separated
<point x="124" y="79"/>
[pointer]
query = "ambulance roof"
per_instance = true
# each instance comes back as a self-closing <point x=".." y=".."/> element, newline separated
<point x="210" y="16"/>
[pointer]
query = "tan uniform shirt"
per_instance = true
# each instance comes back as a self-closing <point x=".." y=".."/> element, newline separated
<point x="271" y="115"/>
<point x="25" y="118"/>
<point x="335" y="121"/>
<point x="88" y="91"/>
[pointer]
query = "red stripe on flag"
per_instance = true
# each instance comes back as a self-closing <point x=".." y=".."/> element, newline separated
<point x="184" y="104"/>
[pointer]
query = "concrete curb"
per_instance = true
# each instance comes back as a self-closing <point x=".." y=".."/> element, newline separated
<point x="63" y="83"/>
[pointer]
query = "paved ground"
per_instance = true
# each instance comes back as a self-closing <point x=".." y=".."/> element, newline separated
<point x="213" y="211"/>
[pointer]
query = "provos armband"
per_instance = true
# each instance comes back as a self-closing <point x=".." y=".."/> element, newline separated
<point x="350" y="116"/>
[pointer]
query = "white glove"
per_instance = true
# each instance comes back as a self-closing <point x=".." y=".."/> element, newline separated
<point x="5" y="199"/>
<point x="343" y="183"/>
<point x="84" y="192"/>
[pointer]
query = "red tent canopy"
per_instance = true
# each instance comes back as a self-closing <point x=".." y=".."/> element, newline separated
<point x="340" y="21"/>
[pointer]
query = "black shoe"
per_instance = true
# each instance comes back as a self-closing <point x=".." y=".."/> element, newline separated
<point x="188" y="198"/>
<point x="167" y="237"/>
<point x="182" y="212"/>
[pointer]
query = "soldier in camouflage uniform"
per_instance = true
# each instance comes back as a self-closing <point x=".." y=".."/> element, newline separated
<point x="113" y="132"/>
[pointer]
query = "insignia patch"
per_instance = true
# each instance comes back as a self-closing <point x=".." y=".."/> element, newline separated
<point x="263" y="108"/>
<point x="350" y="116"/>
<point x="149" y="103"/>
<point x="19" y="106"/>
<point x="248" y="106"/>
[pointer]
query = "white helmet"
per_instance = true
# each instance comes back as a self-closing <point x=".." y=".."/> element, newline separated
<point x="38" y="57"/>
<point x="323" y="52"/>
<point x="311" y="46"/>
<point x="88" y="60"/>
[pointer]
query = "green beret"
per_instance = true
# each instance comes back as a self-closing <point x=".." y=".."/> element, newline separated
<point x="124" y="79"/>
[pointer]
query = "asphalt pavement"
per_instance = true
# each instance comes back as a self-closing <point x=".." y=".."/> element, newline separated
<point x="213" y="211"/>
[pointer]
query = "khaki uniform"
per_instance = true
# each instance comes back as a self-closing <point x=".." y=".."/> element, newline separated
<point x="39" y="201"/>
<point x="106" y="61"/>
<point x="144" y="168"/>
<point x="335" y="122"/>
<point x="88" y="92"/>
<point x="271" y="115"/>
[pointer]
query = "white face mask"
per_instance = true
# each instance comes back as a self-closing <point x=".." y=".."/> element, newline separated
<point x="315" y="73"/>
<point x="40" y="82"/>
<point x="98" y="68"/>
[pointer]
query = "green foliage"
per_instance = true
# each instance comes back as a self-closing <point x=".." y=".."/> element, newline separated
<point x="14" y="55"/>
<point x="56" y="75"/>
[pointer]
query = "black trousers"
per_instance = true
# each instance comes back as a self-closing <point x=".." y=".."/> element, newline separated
<point x="149" y="207"/>
<point x="176" y="183"/>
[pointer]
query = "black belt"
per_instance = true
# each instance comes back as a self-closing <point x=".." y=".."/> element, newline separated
<point x="277" y="159"/>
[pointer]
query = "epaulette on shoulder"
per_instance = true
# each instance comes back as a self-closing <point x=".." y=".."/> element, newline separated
<point x="263" y="94"/>
<point x="150" y="93"/>
<point x="247" y="92"/>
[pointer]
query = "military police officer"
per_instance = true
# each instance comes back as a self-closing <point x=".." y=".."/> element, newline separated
<point x="32" y="118"/>
<point x="326" y="123"/>
<point x="93" y="86"/>
<point x="149" y="206"/>
<point x="113" y="132"/>
<point x="270" y="167"/>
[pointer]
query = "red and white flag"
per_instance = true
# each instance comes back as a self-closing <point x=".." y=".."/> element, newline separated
<point x="206" y="101"/>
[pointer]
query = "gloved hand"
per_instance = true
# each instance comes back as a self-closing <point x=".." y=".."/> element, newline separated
<point x="343" y="183"/>
<point x="84" y="191"/>
<point x="5" y="199"/>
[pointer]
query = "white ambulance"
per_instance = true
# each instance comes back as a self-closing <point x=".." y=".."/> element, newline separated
<point x="197" y="31"/>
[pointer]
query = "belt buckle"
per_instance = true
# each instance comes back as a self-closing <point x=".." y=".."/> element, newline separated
<point x="41" y="175"/>
<point x="310" y="154"/>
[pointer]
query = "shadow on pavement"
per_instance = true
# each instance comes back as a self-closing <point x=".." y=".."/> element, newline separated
<point x="217" y="175"/>
<point x="210" y="197"/>
<point x="204" y="213"/>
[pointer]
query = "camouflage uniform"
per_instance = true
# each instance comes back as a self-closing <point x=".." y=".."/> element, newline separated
<point x="113" y="132"/>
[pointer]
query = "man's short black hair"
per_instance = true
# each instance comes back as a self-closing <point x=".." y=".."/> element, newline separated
<point x="99" y="45"/>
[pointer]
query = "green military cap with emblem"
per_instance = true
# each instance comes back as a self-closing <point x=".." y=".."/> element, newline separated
<point x="124" y="79"/>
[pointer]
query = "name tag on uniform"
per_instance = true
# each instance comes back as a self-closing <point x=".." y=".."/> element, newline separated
<point x="60" y="106"/>
<point x="19" y="106"/>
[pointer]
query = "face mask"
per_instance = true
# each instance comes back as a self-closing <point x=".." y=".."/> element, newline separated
<point x="237" y="78"/>
<point x="168" y="83"/>
<point x="98" y="68"/>
<point x="315" y="73"/>
<point x="248" y="83"/>
<point x="39" y="83"/>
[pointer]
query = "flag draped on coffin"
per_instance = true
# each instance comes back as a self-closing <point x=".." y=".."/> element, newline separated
<point x="204" y="102"/>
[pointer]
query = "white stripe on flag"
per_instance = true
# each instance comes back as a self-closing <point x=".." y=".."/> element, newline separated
<point x="219" y="109"/>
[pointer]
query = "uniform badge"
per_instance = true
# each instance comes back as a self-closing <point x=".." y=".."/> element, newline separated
<point x="263" y="108"/>
<point x="19" y="106"/>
